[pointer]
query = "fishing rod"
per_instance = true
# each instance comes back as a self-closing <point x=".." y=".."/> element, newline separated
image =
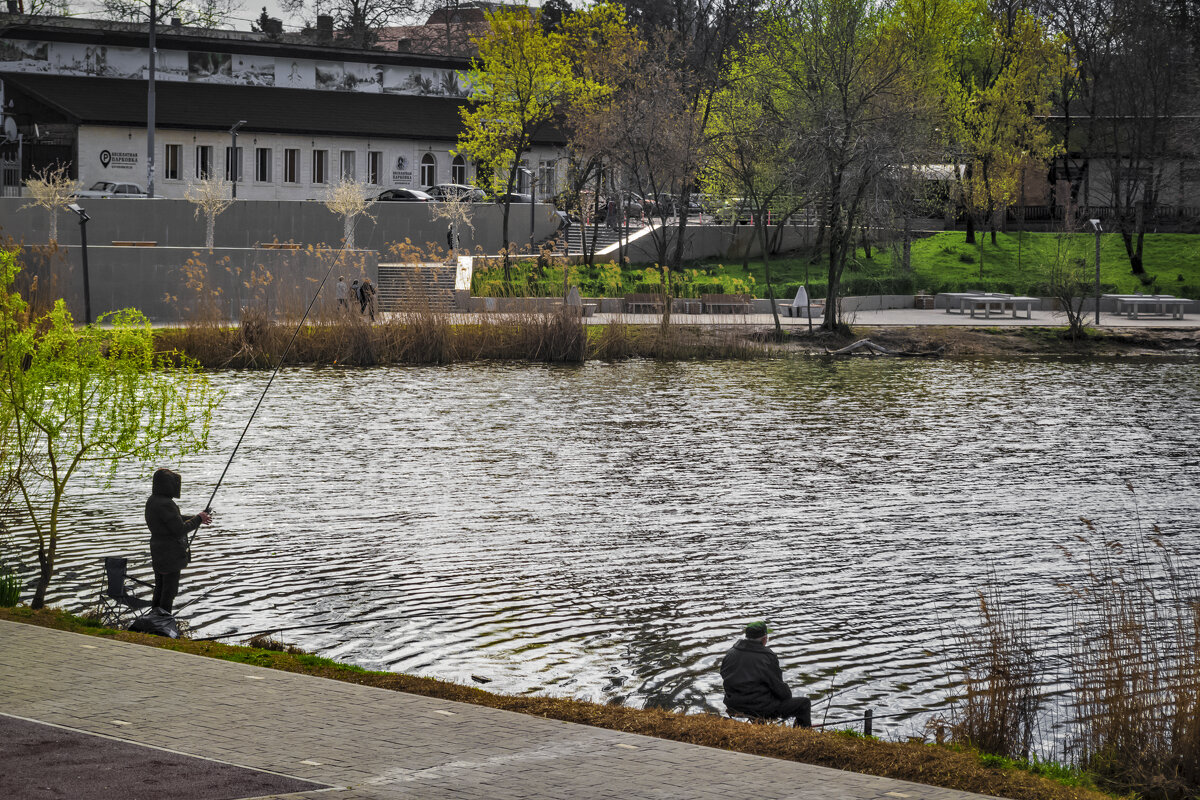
<point x="333" y="624"/>
<point x="261" y="397"/>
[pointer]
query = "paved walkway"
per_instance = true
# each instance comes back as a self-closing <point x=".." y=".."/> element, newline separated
<point x="902" y="317"/>
<point x="372" y="744"/>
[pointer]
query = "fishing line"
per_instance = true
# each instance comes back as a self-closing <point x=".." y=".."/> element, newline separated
<point x="261" y="397"/>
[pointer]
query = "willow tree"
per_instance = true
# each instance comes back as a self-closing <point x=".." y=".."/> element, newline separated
<point x="80" y="403"/>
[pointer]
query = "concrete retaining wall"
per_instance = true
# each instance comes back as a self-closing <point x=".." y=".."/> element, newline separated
<point x="175" y="284"/>
<point x="173" y="223"/>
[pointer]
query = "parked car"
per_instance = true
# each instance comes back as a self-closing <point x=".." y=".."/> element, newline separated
<point x="409" y="195"/>
<point x="444" y="191"/>
<point x="112" y="189"/>
<point x="514" y="198"/>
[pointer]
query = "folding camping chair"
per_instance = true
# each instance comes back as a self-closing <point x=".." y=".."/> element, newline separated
<point x="116" y="598"/>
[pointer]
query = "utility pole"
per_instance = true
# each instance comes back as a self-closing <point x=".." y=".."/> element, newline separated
<point x="234" y="161"/>
<point x="150" y="104"/>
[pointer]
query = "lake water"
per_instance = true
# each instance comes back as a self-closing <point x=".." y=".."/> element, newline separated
<point x="604" y="531"/>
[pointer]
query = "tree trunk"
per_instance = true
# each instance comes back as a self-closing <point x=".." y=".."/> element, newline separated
<point x="53" y="237"/>
<point x="970" y="228"/>
<point x="210" y="231"/>
<point x="762" y="231"/>
<point x="348" y="231"/>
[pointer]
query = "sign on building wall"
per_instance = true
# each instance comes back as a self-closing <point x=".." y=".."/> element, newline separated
<point x="402" y="169"/>
<point x="103" y="61"/>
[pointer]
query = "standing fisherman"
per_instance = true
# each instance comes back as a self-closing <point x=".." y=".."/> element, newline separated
<point x="169" y="531"/>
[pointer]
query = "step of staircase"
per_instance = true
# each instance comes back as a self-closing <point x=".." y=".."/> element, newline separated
<point x="415" y="287"/>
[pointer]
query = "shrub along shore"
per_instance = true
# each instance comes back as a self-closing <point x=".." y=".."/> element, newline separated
<point x="434" y="338"/>
<point x="949" y="767"/>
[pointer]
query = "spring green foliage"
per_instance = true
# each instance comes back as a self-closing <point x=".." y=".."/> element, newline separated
<point x="1004" y="69"/>
<point x="80" y="403"/>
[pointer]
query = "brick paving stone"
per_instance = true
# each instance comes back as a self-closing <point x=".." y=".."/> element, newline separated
<point x="373" y="744"/>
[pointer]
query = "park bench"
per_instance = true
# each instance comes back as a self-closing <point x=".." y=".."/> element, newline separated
<point x="278" y="245"/>
<point x="727" y="303"/>
<point x="644" y="303"/>
<point x="128" y="243"/>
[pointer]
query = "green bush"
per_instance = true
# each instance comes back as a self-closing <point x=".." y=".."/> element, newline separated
<point x="10" y="590"/>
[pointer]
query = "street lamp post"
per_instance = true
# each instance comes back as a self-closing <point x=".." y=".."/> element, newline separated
<point x="1096" y="227"/>
<point x="87" y="289"/>
<point x="529" y="175"/>
<point x="234" y="161"/>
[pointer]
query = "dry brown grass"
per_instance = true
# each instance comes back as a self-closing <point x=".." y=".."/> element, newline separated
<point x="1128" y="673"/>
<point x="939" y="766"/>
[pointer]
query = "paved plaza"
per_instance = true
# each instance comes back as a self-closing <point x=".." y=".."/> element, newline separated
<point x="365" y="743"/>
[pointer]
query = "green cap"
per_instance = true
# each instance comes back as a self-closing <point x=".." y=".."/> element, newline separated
<point x="757" y="630"/>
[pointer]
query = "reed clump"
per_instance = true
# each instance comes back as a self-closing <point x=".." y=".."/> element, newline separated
<point x="1125" y="679"/>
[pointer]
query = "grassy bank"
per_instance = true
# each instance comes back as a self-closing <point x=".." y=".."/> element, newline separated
<point x="1017" y="263"/>
<point x="937" y="765"/>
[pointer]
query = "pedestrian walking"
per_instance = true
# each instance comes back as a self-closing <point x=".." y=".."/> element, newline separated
<point x="341" y="293"/>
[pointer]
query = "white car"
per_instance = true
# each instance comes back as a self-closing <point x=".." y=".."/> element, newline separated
<point x="113" y="189"/>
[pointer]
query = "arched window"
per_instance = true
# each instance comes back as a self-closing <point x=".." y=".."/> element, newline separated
<point x="428" y="170"/>
<point x="458" y="170"/>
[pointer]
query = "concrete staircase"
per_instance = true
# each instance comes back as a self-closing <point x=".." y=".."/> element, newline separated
<point x="416" y="287"/>
<point x="579" y="235"/>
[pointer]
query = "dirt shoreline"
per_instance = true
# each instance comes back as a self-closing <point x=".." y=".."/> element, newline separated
<point x="966" y="342"/>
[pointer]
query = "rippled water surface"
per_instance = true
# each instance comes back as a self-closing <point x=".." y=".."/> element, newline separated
<point x="605" y="531"/>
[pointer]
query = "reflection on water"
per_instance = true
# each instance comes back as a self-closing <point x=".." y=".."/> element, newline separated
<point x="605" y="531"/>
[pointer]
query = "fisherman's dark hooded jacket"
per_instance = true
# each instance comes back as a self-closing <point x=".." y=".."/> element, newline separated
<point x="168" y="529"/>
<point x="753" y="679"/>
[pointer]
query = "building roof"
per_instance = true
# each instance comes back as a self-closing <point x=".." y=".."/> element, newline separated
<point x="113" y="101"/>
<point x="291" y="45"/>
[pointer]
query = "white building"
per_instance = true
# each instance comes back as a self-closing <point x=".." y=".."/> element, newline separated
<point x="76" y="92"/>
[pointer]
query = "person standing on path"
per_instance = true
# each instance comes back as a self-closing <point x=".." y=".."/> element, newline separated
<point x="367" y="293"/>
<point x="754" y="684"/>
<point x="341" y="293"/>
<point x="169" y="551"/>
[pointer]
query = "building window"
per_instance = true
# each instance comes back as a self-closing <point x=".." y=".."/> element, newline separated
<point x="320" y="167"/>
<point x="546" y="183"/>
<point x="262" y="165"/>
<point x="204" y="161"/>
<point x="523" y="178"/>
<point x="172" y="155"/>
<point x="291" y="165"/>
<point x="233" y="164"/>
<point x="374" y="167"/>
<point x="348" y="171"/>
<point x="458" y="170"/>
<point x="428" y="170"/>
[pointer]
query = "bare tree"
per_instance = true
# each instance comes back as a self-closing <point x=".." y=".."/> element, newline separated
<point x="1128" y="107"/>
<point x="459" y="212"/>
<point x="358" y="21"/>
<point x="52" y="188"/>
<point x="198" y="14"/>
<point x="857" y="109"/>
<point x="350" y="199"/>
<point x="210" y="196"/>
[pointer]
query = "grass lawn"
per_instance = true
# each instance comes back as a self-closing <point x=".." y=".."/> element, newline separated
<point x="1016" y="263"/>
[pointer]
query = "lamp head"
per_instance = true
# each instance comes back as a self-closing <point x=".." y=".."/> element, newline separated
<point x="1096" y="225"/>
<point x="78" y="209"/>
<point x="239" y="124"/>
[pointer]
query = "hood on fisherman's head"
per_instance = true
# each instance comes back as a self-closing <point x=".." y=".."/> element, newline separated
<point x="167" y="482"/>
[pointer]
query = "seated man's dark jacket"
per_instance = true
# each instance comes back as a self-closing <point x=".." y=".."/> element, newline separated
<point x="168" y="529"/>
<point x="753" y="680"/>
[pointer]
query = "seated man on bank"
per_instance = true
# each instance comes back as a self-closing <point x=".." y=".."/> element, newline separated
<point x="754" y="682"/>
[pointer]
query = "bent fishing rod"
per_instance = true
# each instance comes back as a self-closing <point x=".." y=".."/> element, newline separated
<point x="261" y="397"/>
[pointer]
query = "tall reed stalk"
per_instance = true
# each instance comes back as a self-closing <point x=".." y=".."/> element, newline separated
<point x="1130" y="674"/>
